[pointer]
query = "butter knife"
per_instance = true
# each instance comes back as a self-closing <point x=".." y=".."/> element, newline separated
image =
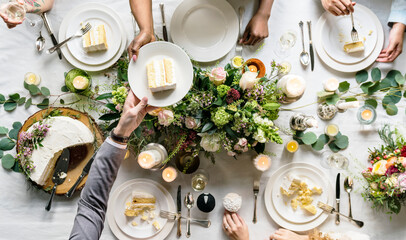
<point x="85" y="171"/>
<point x="309" y="24"/>
<point x="51" y="34"/>
<point x="179" y="208"/>
<point x="165" y="33"/>
<point x="338" y="198"/>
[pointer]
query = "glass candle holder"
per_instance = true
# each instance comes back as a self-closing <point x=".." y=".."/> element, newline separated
<point x="152" y="157"/>
<point x="262" y="162"/>
<point x="331" y="130"/>
<point x="186" y="163"/>
<point x="366" y="114"/>
<point x="169" y="174"/>
<point x="292" y="146"/>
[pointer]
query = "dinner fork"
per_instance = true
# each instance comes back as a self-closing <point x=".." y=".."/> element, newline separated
<point x="354" y="33"/>
<point x="174" y="216"/>
<point x="82" y="31"/>
<point x="238" y="48"/>
<point x="256" y="190"/>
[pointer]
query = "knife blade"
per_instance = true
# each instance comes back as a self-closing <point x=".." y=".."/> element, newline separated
<point x="309" y="24"/>
<point x="85" y="171"/>
<point x="60" y="171"/>
<point x="338" y="198"/>
<point x="165" y="33"/>
<point x="179" y="208"/>
<point x="51" y="34"/>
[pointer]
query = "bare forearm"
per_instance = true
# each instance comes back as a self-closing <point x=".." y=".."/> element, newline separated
<point x="142" y="11"/>
<point x="265" y="7"/>
<point x="38" y="6"/>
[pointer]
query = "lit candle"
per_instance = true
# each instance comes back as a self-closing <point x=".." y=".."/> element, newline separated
<point x="149" y="159"/>
<point x="292" y="86"/>
<point x="262" y="162"/>
<point x="331" y="130"/>
<point x="169" y="174"/>
<point x="366" y="114"/>
<point x="331" y="85"/>
<point x="292" y="146"/>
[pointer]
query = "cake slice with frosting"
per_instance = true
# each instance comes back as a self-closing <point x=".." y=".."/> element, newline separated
<point x="161" y="75"/>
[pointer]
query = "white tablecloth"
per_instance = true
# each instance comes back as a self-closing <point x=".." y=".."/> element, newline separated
<point x="22" y="214"/>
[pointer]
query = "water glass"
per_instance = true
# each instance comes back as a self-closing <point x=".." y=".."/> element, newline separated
<point x="200" y="180"/>
<point x="334" y="160"/>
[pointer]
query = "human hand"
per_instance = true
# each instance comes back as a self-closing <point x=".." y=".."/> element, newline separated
<point x="235" y="227"/>
<point x="256" y="30"/>
<point x="283" y="234"/>
<point x="338" y="7"/>
<point x="140" y="40"/>
<point x="10" y="23"/>
<point x="395" y="46"/>
<point x="133" y="113"/>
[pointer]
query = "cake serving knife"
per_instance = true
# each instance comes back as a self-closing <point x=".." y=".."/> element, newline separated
<point x="59" y="176"/>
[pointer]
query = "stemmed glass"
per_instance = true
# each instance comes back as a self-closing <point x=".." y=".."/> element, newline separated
<point x="13" y="9"/>
<point x="200" y="180"/>
<point x="285" y="44"/>
<point x="334" y="160"/>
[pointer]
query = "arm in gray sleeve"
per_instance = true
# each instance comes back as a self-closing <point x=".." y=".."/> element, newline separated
<point x="398" y="12"/>
<point x="92" y="205"/>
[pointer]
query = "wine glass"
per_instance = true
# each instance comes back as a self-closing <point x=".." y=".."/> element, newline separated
<point x="285" y="44"/>
<point x="14" y="10"/>
<point x="334" y="160"/>
<point x="200" y="180"/>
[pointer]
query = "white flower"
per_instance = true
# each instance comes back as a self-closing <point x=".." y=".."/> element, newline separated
<point x="379" y="168"/>
<point x="165" y="117"/>
<point x="262" y="121"/>
<point x="392" y="181"/>
<point x="242" y="142"/>
<point x="248" y="80"/>
<point x="259" y="135"/>
<point x="374" y="185"/>
<point x="210" y="143"/>
<point x="191" y="123"/>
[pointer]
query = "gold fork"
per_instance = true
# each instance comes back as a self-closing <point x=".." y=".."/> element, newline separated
<point x="330" y="209"/>
<point x="256" y="190"/>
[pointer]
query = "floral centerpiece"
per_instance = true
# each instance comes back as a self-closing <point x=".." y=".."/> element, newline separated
<point x="387" y="177"/>
<point x="224" y="109"/>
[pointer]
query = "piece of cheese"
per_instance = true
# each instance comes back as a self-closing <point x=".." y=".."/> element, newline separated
<point x="311" y="209"/>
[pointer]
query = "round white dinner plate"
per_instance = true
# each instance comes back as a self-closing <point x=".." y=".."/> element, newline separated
<point x="336" y="32"/>
<point x="348" y="67"/>
<point x="299" y="227"/>
<point x="206" y="29"/>
<point x="166" y="229"/>
<point x="65" y="50"/>
<point x="282" y="203"/>
<point x="95" y="17"/>
<point x="137" y="73"/>
<point x="143" y="229"/>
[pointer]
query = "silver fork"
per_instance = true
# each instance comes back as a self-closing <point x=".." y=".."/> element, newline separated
<point x="354" y="33"/>
<point x="238" y="48"/>
<point x="82" y="31"/>
<point x="174" y="216"/>
<point x="256" y="190"/>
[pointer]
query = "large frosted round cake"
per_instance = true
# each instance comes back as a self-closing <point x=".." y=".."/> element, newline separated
<point x="60" y="132"/>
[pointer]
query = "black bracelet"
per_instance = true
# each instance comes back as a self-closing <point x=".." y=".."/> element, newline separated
<point x="118" y="138"/>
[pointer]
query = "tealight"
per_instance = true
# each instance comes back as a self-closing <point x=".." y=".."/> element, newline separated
<point x="292" y="146"/>
<point x="169" y="174"/>
<point x="366" y="114"/>
<point x="262" y="162"/>
<point x="331" y="85"/>
<point x="292" y="86"/>
<point x="331" y="130"/>
<point x="149" y="159"/>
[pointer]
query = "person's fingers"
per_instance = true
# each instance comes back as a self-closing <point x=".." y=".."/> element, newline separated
<point x="241" y="220"/>
<point x="150" y="108"/>
<point x="382" y="60"/>
<point x="335" y="10"/>
<point x="226" y="227"/>
<point x="245" y="36"/>
<point x="349" y="5"/>
<point x="135" y="57"/>
<point x="258" y="40"/>
<point x="230" y="222"/>
<point x="394" y="55"/>
<point x="236" y="219"/>
<point x="249" y="40"/>
<point x="141" y="106"/>
<point x="341" y="8"/>
<point x="131" y="100"/>
<point x="130" y="53"/>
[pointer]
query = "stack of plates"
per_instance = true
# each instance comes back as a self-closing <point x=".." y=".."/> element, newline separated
<point x="331" y="33"/>
<point x="206" y="29"/>
<point x="95" y="14"/>
<point x="121" y="225"/>
<point x="279" y="207"/>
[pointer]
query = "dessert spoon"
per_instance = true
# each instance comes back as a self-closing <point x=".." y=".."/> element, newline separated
<point x="304" y="56"/>
<point x="40" y="42"/>
<point x="348" y="184"/>
<point x="189" y="202"/>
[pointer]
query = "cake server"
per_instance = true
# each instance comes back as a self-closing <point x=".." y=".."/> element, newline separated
<point x="338" y="198"/>
<point x="309" y="24"/>
<point x="82" y="31"/>
<point x="85" y="171"/>
<point x="330" y="209"/>
<point x="60" y="171"/>
<point x="179" y="208"/>
<point x="51" y="34"/>
<point x="165" y="32"/>
<point x="175" y="216"/>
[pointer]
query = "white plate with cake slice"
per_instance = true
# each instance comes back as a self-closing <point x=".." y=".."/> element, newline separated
<point x="336" y="32"/>
<point x="145" y="199"/>
<point x="163" y="72"/>
<point x="105" y="29"/>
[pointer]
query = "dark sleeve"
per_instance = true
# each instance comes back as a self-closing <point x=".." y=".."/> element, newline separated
<point x="92" y="206"/>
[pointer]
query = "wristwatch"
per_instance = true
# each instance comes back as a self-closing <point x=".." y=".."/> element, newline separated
<point x="118" y="138"/>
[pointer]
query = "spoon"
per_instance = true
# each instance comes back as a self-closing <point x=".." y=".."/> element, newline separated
<point x="40" y="43"/>
<point x="348" y="184"/>
<point x="189" y="202"/>
<point x="304" y="56"/>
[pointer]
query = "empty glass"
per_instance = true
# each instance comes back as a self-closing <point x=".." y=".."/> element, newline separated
<point x="334" y="160"/>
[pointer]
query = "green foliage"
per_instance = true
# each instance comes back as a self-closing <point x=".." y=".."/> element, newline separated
<point x="6" y="144"/>
<point x="344" y="86"/>
<point x="376" y="74"/>
<point x="371" y="102"/>
<point x="336" y="144"/>
<point x="309" y="138"/>
<point x="7" y="161"/>
<point x="333" y="99"/>
<point x="361" y="76"/>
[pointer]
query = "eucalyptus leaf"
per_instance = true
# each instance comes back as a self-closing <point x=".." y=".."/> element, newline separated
<point x="21" y="101"/>
<point x="61" y="101"/>
<point x="6" y="144"/>
<point x="104" y="96"/>
<point x="333" y="147"/>
<point x="8" y="161"/>
<point x="64" y="88"/>
<point x="17" y="167"/>
<point x="28" y="103"/>
<point x="371" y="102"/>
<point x="109" y="116"/>
<point x="17" y="125"/>
<point x="374" y="88"/>
<point x="341" y="142"/>
<point x="2" y="99"/>
<point x="10" y="106"/>
<point x="45" y="91"/>
<point x="324" y="94"/>
<point x="332" y="100"/>
<point x="1" y="153"/>
<point x="111" y="106"/>
<point x="351" y="99"/>
<point x="34" y="90"/>
<point x="3" y="130"/>
<point x="321" y="141"/>
<point x="207" y="127"/>
<point x="13" y="134"/>
<point x="391" y="109"/>
<point x="14" y="96"/>
<point x="361" y="76"/>
<point x="309" y="138"/>
<point x="344" y="86"/>
<point x="44" y="104"/>
<point x="392" y="74"/>
<point x="376" y="74"/>
<point x="365" y="86"/>
<point x="298" y="136"/>
<point x="400" y="79"/>
<point x="385" y="84"/>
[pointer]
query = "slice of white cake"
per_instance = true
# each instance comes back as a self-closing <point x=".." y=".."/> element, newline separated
<point x="161" y="75"/>
<point x="354" y="47"/>
<point x="95" y="40"/>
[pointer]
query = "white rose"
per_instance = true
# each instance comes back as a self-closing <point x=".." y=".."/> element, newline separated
<point x="191" y="123"/>
<point x="392" y="181"/>
<point x="259" y="135"/>
<point x="210" y="143"/>
<point x="248" y="80"/>
<point x="379" y="168"/>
